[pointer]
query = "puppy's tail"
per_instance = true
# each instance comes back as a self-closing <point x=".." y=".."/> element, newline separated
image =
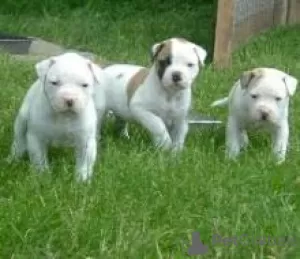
<point x="220" y="102"/>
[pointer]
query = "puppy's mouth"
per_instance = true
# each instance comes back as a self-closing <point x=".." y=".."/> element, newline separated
<point x="179" y="86"/>
<point x="67" y="111"/>
<point x="176" y="87"/>
<point x="263" y="121"/>
<point x="70" y="112"/>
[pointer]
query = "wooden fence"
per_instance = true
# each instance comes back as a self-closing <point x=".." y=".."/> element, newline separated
<point x="238" y="20"/>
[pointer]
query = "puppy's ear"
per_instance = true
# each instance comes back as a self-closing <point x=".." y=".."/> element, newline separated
<point x="291" y="84"/>
<point x="248" y="76"/>
<point x="201" y="54"/>
<point x="96" y="71"/>
<point x="155" y="49"/>
<point x="43" y="66"/>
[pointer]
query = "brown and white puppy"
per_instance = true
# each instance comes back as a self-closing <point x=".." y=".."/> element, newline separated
<point x="158" y="98"/>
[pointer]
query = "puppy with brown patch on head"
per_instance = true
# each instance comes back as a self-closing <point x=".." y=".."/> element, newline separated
<point x="158" y="98"/>
<point x="259" y="99"/>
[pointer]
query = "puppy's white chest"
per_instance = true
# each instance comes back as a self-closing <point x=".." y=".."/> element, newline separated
<point x="62" y="131"/>
<point x="259" y="126"/>
<point x="172" y="108"/>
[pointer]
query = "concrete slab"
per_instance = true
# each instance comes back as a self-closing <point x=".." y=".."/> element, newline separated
<point x="34" y="48"/>
<point x="42" y="47"/>
<point x="16" y="46"/>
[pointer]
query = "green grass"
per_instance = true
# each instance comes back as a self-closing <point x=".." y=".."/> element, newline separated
<point x="142" y="203"/>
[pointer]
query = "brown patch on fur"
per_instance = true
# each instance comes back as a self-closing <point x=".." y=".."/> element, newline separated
<point x="165" y="51"/>
<point x="135" y="81"/>
<point x="162" y="57"/>
<point x="248" y="77"/>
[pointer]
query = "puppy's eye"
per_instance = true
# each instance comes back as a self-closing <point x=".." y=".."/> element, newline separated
<point x="278" y="99"/>
<point x="168" y="60"/>
<point x="254" y="96"/>
<point x="84" y="85"/>
<point x="54" y="83"/>
<point x="190" y="65"/>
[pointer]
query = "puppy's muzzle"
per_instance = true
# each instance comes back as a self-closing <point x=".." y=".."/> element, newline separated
<point x="176" y="77"/>
<point x="264" y="116"/>
<point x="69" y="102"/>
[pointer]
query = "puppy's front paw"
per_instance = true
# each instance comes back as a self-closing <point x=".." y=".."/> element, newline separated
<point x="230" y="155"/>
<point x="177" y="148"/>
<point x="40" y="168"/>
<point x="279" y="156"/>
<point x="83" y="177"/>
<point x="124" y="133"/>
<point x="16" y="153"/>
<point x="10" y="159"/>
<point x="163" y="142"/>
<point x="280" y="160"/>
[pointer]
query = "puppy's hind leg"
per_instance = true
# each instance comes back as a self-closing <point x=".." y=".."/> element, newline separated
<point x="233" y="138"/>
<point x="178" y="134"/>
<point x="19" y="145"/>
<point x="86" y="152"/>
<point x="121" y="127"/>
<point x="37" y="150"/>
<point x="280" y="142"/>
<point x="101" y="118"/>
<point x="244" y="140"/>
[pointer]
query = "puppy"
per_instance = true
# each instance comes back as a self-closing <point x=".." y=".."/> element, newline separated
<point x="259" y="99"/>
<point x="59" y="109"/>
<point x="158" y="98"/>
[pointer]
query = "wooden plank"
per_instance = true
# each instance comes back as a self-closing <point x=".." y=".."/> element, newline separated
<point x="252" y="26"/>
<point x="223" y="34"/>
<point x="293" y="12"/>
<point x="280" y="12"/>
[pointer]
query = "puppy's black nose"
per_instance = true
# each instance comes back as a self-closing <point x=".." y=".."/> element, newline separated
<point x="176" y="76"/>
<point x="69" y="103"/>
<point x="264" y="116"/>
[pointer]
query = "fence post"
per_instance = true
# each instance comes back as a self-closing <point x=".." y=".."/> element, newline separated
<point x="293" y="12"/>
<point x="281" y="12"/>
<point x="223" y="34"/>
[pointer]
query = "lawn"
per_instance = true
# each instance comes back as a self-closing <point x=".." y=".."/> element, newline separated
<point x="142" y="203"/>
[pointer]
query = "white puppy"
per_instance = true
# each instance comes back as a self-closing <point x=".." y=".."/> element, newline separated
<point x="259" y="99"/>
<point x="158" y="98"/>
<point x="59" y="109"/>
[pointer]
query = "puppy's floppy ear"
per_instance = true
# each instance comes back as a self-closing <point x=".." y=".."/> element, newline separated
<point x="248" y="76"/>
<point x="155" y="49"/>
<point x="291" y="84"/>
<point x="96" y="71"/>
<point x="201" y="54"/>
<point x="43" y="66"/>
